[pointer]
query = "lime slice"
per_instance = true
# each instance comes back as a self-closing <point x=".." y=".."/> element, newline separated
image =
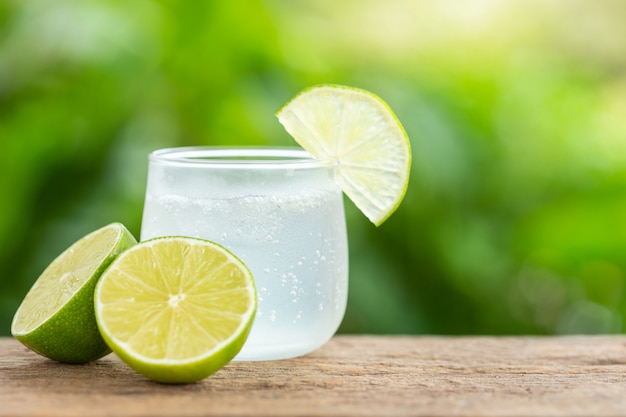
<point x="56" y="318"/>
<point x="176" y="309"/>
<point x="358" y="131"/>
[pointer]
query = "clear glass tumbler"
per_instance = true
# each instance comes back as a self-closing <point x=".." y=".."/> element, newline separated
<point x="281" y="212"/>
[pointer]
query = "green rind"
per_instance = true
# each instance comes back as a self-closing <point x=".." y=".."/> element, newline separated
<point x="181" y="373"/>
<point x="71" y="335"/>
<point x="76" y="338"/>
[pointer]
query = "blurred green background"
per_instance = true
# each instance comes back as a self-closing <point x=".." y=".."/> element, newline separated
<point x="515" y="217"/>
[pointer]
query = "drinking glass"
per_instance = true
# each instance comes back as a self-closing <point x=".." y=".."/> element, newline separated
<point x="281" y="212"/>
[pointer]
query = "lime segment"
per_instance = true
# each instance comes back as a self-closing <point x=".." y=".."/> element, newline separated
<point x="357" y="130"/>
<point x="176" y="309"/>
<point x="56" y="318"/>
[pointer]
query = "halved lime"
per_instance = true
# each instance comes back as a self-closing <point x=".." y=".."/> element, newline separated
<point x="357" y="130"/>
<point x="176" y="309"/>
<point x="56" y="318"/>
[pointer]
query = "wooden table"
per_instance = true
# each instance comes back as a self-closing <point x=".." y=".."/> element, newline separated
<point x="351" y="375"/>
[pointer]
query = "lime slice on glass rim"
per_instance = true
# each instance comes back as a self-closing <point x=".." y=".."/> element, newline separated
<point x="176" y="309"/>
<point x="56" y="317"/>
<point x="357" y="130"/>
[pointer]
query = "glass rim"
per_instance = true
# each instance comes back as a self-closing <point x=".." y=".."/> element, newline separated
<point x="238" y="157"/>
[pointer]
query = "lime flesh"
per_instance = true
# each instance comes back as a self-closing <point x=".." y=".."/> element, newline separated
<point x="176" y="309"/>
<point x="359" y="132"/>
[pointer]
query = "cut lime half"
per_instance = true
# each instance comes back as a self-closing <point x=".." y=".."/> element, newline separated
<point x="357" y="130"/>
<point x="176" y="309"/>
<point x="56" y="318"/>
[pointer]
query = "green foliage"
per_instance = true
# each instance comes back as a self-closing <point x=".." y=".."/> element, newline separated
<point x="514" y="218"/>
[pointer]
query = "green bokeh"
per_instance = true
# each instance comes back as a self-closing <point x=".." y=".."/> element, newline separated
<point x="515" y="217"/>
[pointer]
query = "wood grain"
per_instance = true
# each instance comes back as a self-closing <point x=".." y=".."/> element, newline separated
<point x="349" y="376"/>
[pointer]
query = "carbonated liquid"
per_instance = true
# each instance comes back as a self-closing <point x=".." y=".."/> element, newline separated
<point x="291" y="234"/>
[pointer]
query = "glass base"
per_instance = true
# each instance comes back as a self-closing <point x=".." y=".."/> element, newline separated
<point x="274" y="352"/>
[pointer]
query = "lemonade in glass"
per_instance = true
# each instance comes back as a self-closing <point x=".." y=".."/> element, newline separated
<point x="281" y="212"/>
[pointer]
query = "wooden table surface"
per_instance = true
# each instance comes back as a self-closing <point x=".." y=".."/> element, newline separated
<point x="350" y="375"/>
